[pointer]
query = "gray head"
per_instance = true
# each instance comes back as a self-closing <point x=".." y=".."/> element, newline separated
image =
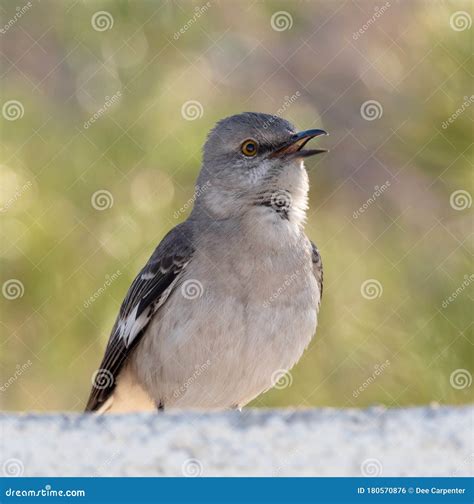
<point x="253" y="163"/>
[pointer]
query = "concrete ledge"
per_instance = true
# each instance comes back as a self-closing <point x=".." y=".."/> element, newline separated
<point x="319" y="442"/>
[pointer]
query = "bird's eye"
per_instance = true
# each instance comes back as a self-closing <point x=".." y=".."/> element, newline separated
<point x="249" y="148"/>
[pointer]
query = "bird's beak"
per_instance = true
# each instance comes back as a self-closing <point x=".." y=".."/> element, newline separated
<point x="296" y="143"/>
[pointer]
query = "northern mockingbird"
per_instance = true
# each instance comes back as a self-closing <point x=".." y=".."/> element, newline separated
<point x="229" y="299"/>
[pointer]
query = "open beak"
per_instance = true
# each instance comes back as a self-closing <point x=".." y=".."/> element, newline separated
<point x="295" y="146"/>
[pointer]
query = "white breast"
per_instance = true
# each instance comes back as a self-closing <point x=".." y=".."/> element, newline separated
<point x="255" y="317"/>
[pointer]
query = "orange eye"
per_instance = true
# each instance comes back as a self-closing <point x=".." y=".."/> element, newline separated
<point x="249" y="148"/>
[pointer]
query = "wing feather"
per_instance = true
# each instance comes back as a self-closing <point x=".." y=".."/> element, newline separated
<point x="146" y="295"/>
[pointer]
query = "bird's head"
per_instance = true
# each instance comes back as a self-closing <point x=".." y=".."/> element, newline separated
<point x="253" y="163"/>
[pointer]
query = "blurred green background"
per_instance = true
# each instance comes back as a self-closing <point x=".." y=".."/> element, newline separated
<point x="95" y="97"/>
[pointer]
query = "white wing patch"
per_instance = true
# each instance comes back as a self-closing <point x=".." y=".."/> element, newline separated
<point x="148" y="276"/>
<point x="130" y="327"/>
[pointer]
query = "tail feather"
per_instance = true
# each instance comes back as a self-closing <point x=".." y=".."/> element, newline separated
<point x="127" y="397"/>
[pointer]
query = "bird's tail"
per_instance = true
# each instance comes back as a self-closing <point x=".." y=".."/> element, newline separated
<point x="127" y="397"/>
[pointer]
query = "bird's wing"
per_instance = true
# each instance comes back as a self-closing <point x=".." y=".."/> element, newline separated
<point x="148" y="292"/>
<point x="317" y="268"/>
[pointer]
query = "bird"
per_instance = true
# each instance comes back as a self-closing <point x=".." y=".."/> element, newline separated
<point x="229" y="300"/>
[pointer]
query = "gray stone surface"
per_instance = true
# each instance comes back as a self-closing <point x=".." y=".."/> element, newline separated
<point x="435" y="441"/>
